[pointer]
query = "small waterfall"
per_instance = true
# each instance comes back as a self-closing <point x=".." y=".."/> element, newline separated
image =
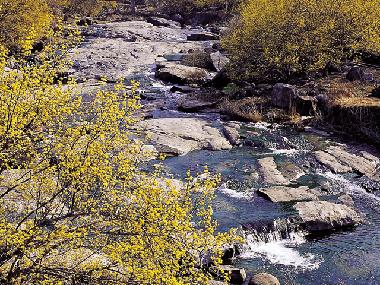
<point x="276" y="242"/>
<point x="277" y="230"/>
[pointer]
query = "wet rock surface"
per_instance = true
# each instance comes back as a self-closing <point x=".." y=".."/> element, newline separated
<point x="286" y="167"/>
<point x="270" y="173"/>
<point x="263" y="279"/>
<point x="322" y="215"/>
<point x="288" y="194"/>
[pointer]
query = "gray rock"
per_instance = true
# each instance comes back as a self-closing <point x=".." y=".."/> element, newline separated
<point x="219" y="60"/>
<point x="161" y="22"/>
<point x="306" y="105"/>
<point x="178" y="136"/>
<point x="232" y="134"/>
<point x="331" y="162"/>
<point x="263" y="279"/>
<point x="346" y="200"/>
<point x="288" y="194"/>
<point x="194" y="105"/>
<point x="283" y="95"/>
<point x="322" y="215"/>
<point x="237" y="275"/>
<point x="270" y="173"/>
<point x="359" y="163"/>
<point x="182" y="74"/>
<point x="355" y="73"/>
<point x="202" y="36"/>
<point x="183" y="89"/>
<point x="123" y="49"/>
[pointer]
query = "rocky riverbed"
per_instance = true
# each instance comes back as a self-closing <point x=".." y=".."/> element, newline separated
<point x="308" y="202"/>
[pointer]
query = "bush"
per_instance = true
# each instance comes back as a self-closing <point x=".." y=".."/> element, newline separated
<point x="23" y="22"/>
<point x="75" y="206"/>
<point x="188" y="6"/>
<point x="277" y="38"/>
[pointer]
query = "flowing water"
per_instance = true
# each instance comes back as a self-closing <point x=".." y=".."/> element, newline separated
<point x="274" y="242"/>
<point x="340" y="257"/>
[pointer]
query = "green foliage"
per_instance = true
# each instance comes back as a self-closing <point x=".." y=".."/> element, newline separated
<point x="300" y="35"/>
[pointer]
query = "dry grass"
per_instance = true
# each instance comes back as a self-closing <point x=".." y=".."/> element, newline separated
<point x="349" y="94"/>
<point x="357" y="102"/>
<point x="247" y="109"/>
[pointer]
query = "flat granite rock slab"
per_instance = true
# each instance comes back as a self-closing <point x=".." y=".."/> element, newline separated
<point x="179" y="136"/>
<point x="278" y="194"/>
<point x="270" y="173"/>
<point x="332" y="162"/>
<point x="323" y="215"/>
<point x="363" y="165"/>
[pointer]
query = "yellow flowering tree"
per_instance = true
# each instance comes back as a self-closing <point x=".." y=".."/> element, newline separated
<point x="288" y="36"/>
<point x="75" y="206"/>
<point x="23" y="22"/>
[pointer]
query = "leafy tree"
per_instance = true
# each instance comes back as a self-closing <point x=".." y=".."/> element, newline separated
<point x="23" y="22"/>
<point x="75" y="207"/>
<point x="300" y="35"/>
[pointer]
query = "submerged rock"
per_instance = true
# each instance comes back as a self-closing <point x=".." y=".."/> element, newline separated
<point x="263" y="279"/>
<point x="322" y="215"/>
<point x="270" y="173"/>
<point x="346" y="200"/>
<point x="288" y="194"/>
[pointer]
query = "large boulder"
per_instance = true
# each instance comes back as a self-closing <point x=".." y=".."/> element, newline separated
<point x="355" y="73"/>
<point x="190" y="105"/>
<point x="283" y="95"/>
<point x="178" y="136"/>
<point x="237" y="275"/>
<point x="323" y="215"/>
<point x="288" y="194"/>
<point x="181" y="74"/>
<point x="199" y="59"/>
<point x="361" y="164"/>
<point x="263" y="279"/>
<point x="306" y="105"/>
<point x="161" y="22"/>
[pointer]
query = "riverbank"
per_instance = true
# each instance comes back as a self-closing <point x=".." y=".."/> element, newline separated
<point x="272" y="171"/>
